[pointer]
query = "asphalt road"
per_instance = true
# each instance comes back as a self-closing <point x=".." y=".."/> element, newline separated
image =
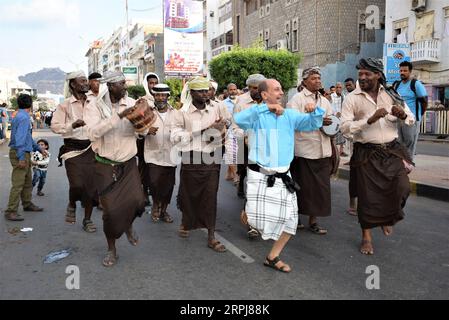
<point x="413" y="263"/>
<point x="433" y="149"/>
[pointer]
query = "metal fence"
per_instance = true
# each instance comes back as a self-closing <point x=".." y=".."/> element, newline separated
<point x="435" y="122"/>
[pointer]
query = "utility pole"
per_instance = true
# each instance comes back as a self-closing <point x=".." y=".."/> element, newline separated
<point x="127" y="34"/>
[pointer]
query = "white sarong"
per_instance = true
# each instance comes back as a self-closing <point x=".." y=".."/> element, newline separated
<point x="271" y="211"/>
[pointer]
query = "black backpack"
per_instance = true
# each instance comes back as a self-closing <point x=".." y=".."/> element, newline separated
<point x="418" y="100"/>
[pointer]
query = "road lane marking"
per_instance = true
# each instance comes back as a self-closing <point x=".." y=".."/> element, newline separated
<point x="233" y="249"/>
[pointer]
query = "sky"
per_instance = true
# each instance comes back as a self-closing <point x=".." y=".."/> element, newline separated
<point x="36" y="34"/>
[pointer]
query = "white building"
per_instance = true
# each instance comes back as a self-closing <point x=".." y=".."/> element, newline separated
<point x="109" y="55"/>
<point x="93" y="56"/>
<point x="425" y="25"/>
<point x="10" y="85"/>
<point x="218" y="29"/>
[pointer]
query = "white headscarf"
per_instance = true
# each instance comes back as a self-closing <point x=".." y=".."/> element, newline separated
<point x="71" y="76"/>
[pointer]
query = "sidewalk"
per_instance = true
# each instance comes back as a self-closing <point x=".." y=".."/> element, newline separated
<point x="433" y="138"/>
<point x="429" y="179"/>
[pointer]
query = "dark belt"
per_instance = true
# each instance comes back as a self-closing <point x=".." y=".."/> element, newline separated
<point x="289" y="183"/>
<point x="378" y="146"/>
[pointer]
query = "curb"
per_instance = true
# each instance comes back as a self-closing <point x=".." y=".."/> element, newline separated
<point x="417" y="188"/>
<point x="434" y="140"/>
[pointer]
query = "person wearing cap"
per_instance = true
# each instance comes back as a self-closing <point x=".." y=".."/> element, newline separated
<point x="21" y="146"/>
<point x="311" y="167"/>
<point x="94" y="84"/>
<point x="371" y="114"/>
<point x="117" y="178"/>
<point x="68" y="121"/>
<point x="158" y="146"/>
<point x="198" y="134"/>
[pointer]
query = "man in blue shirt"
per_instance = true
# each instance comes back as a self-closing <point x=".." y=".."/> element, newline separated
<point x="415" y="95"/>
<point x="271" y="193"/>
<point x="21" y="146"/>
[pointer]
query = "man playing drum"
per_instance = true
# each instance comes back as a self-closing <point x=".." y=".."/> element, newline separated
<point x="312" y="165"/>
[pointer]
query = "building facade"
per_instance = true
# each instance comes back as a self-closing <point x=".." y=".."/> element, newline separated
<point x="93" y="56"/>
<point x="425" y="25"/>
<point x="327" y="33"/>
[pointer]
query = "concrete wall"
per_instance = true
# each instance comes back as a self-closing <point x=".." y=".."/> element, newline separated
<point x="340" y="71"/>
<point x="328" y="29"/>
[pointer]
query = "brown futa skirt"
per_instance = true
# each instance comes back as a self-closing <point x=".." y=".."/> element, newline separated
<point x="197" y="197"/>
<point x="81" y="174"/>
<point x="121" y="195"/>
<point x="382" y="184"/>
<point x="352" y="181"/>
<point x="143" y="168"/>
<point x="313" y="177"/>
<point x="161" y="182"/>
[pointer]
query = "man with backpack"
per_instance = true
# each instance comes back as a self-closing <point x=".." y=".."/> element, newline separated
<point x="415" y="95"/>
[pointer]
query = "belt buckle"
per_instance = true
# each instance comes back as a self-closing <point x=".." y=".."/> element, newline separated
<point x="383" y="146"/>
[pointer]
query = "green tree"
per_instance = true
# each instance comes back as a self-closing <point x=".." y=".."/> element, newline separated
<point x="176" y="86"/>
<point x="136" y="92"/>
<point x="14" y="105"/>
<point x="238" y="64"/>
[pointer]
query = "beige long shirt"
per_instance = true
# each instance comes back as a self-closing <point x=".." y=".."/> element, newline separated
<point x="187" y="128"/>
<point x="65" y="115"/>
<point x="315" y="144"/>
<point x="113" y="138"/>
<point x="359" y="106"/>
<point x="158" y="148"/>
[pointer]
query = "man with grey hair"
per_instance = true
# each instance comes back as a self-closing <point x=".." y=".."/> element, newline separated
<point x="68" y="121"/>
<point x="116" y="175"/>
<point x="311" y="167"/>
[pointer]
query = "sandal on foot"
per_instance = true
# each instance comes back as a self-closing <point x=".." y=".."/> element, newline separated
<point x="133" y="238"/>
<point x="155" y="218"/>
<point x="317" y="230"/>
<point x="166" y="218"/>
<point x="273" y="264"/>
<point x="110" y="260"/>
<point x="70" y="216"/>
<point x="183" y="233"/>
<point x="217" y="246"/>
<point x="89" y="226"/>
<point x="366" y="248"/>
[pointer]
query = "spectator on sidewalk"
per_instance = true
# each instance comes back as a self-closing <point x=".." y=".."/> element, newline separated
<point x="40" y="166"/>
<point x="3" y="122"/>
<point x="21" y="146"/>
<point x="415" y="95"/>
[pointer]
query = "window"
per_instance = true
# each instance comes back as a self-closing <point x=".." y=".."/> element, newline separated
<point x="400" y="31"/>
<point x="238" y="29"/>
<point x="287" y="29"/>
<point x="295" y="35"/>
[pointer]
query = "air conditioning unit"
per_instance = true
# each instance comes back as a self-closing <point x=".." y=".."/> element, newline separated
<point x="281" y="44"/>
<point x="261" y="12"/>
<point x="418" y="5"/>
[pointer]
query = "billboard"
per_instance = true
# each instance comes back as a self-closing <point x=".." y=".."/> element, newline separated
<point x="183" y="37"/>
<point x="394" y="54"/>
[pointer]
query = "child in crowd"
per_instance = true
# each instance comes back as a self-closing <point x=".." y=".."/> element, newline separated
<point x="40" y="166"/>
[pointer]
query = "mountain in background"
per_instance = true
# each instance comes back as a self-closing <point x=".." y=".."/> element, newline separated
<point x="47" y="79"/>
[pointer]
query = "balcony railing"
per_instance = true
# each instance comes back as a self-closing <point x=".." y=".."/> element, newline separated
<point x="426" y="51"/>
